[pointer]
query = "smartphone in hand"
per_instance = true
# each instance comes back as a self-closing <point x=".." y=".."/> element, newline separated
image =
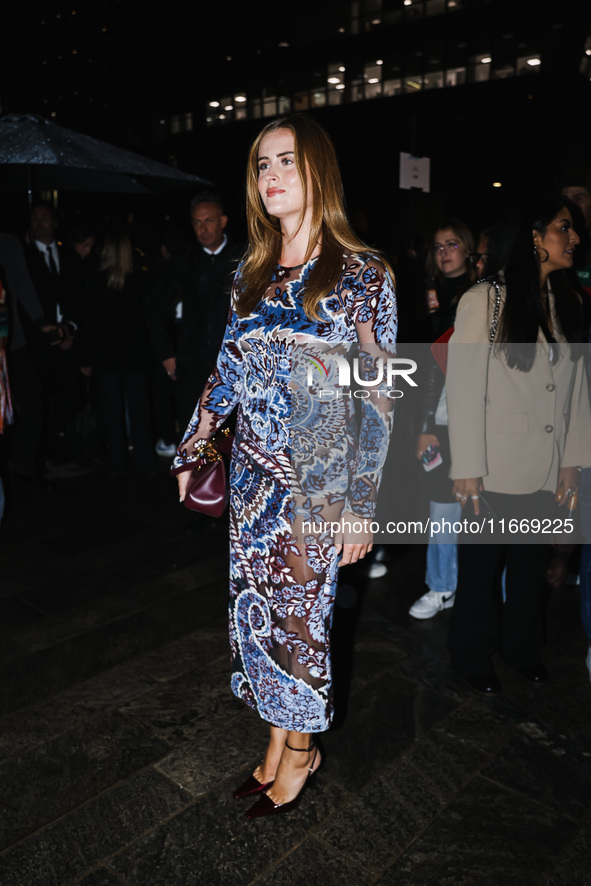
<point x="431" y="457"/>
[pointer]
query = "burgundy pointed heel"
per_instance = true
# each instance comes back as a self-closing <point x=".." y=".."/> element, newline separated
<point x="251" y="786"/>
<point x="266" y="806"/>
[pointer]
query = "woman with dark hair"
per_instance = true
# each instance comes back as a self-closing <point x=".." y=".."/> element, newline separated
<point x="306" y="284"/>
<point x="520" y="426"/>
<point x="449" y="261"/>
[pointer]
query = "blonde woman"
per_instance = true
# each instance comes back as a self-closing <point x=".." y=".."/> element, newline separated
<point x="115" y="351"/>
<point x="306" y="279"/>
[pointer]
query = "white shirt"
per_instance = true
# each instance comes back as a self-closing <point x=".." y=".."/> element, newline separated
<point x="46" y="249"/>
<point x="218" y="250"/>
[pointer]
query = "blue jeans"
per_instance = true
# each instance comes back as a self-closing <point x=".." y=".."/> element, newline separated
<point x="585" y="561"/>
<point x="442" y="555"/>
<point x="442" y="550"/>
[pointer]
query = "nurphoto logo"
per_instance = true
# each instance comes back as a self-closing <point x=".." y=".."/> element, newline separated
<point x="379" y="380"/>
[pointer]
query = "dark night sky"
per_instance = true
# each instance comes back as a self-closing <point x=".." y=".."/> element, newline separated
<point x="109" y="64"/>
<point x="114" y="65"/>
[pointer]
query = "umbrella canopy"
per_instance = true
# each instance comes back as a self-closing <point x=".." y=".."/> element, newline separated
<point x="38" y="154"/>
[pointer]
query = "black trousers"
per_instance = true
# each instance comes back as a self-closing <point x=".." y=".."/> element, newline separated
<point x="124" y="403"/>
<point x="27" y="394"/>
<point x="481" y="623"/>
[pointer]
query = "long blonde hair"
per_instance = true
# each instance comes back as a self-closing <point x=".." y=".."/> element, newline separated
<point x="117" y="259"/>
<point x="315" y="158"/>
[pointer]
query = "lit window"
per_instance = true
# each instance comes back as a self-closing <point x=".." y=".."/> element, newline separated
<point x="373" y="80"/>
<point x="529" y="64"/>
<point x="433" y="80"/>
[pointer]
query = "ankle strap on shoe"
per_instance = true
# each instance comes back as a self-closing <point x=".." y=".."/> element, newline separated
<point x="300" y="750"/>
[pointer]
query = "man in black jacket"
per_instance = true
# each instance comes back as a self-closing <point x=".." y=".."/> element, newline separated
<point x="39" y="335"/>
<point x="58" y="283"/>
<point x="188" y="307"/>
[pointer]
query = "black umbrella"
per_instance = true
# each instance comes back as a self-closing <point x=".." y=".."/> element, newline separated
<point x="38" y="154"/>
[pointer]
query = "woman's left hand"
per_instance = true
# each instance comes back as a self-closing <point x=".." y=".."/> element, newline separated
<point x="462" y="490"/>
<point x="353" y="544"/>
<point x="568" y="484"/>
<point x="352" y="553"/>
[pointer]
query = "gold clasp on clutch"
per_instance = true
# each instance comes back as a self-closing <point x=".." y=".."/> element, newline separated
<point x="206" y="451"/>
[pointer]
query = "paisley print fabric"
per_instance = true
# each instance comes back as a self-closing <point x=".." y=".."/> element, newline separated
<point x="296" y="458"/>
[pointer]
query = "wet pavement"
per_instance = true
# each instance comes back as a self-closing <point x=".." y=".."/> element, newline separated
<point x="120" y="741"/>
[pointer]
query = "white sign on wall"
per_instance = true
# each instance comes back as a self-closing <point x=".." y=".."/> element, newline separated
<point x="414" y="172"/>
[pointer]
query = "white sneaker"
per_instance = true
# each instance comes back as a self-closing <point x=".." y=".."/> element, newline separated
<point x="377" y="570"/>
<point x="588" y="662"/>
<point x="168" y="451"/>
<point x="431" y="603"/>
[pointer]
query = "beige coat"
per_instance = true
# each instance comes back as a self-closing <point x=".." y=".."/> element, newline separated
<point x="514" y="429"/>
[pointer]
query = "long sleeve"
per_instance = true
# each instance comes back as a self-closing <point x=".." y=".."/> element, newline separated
<point x="220" y="395"/>
<point x="22" y="293"/>
<point x="375" y="317"/>
<point x="434" y="385"/>
<point x="577" y="445"/>
<point x="466" y="383"/>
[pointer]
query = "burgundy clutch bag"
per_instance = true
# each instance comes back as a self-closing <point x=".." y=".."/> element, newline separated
<point x="208" y="491"/>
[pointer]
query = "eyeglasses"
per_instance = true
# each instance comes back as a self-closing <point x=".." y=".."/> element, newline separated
<point x="448" y="245"/>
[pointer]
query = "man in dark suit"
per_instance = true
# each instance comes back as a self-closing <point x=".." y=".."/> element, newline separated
<point x="188" y="307"/>
<point x="54" y="274"/>
<point x="57" y="281"/>
<point x="28" y="331"/>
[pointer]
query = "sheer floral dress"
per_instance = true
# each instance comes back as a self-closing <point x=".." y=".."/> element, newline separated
<point x="298" y="458"/>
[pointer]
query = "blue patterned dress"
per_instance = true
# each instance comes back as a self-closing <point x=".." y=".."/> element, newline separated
<point x="294" y="457"/>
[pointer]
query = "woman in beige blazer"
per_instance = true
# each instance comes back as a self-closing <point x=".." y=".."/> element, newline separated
<point x="520" y="426"/>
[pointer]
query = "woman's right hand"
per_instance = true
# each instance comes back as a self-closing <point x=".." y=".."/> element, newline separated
<point x="462" y="490"/>
<point x="423" y="443"/>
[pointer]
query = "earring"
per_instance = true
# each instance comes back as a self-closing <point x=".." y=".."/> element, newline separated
<point x="541" y="260"/>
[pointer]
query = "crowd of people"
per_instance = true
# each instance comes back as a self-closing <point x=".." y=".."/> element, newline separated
<point x="106" y="343"/>
<point x="503" y="426"/>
